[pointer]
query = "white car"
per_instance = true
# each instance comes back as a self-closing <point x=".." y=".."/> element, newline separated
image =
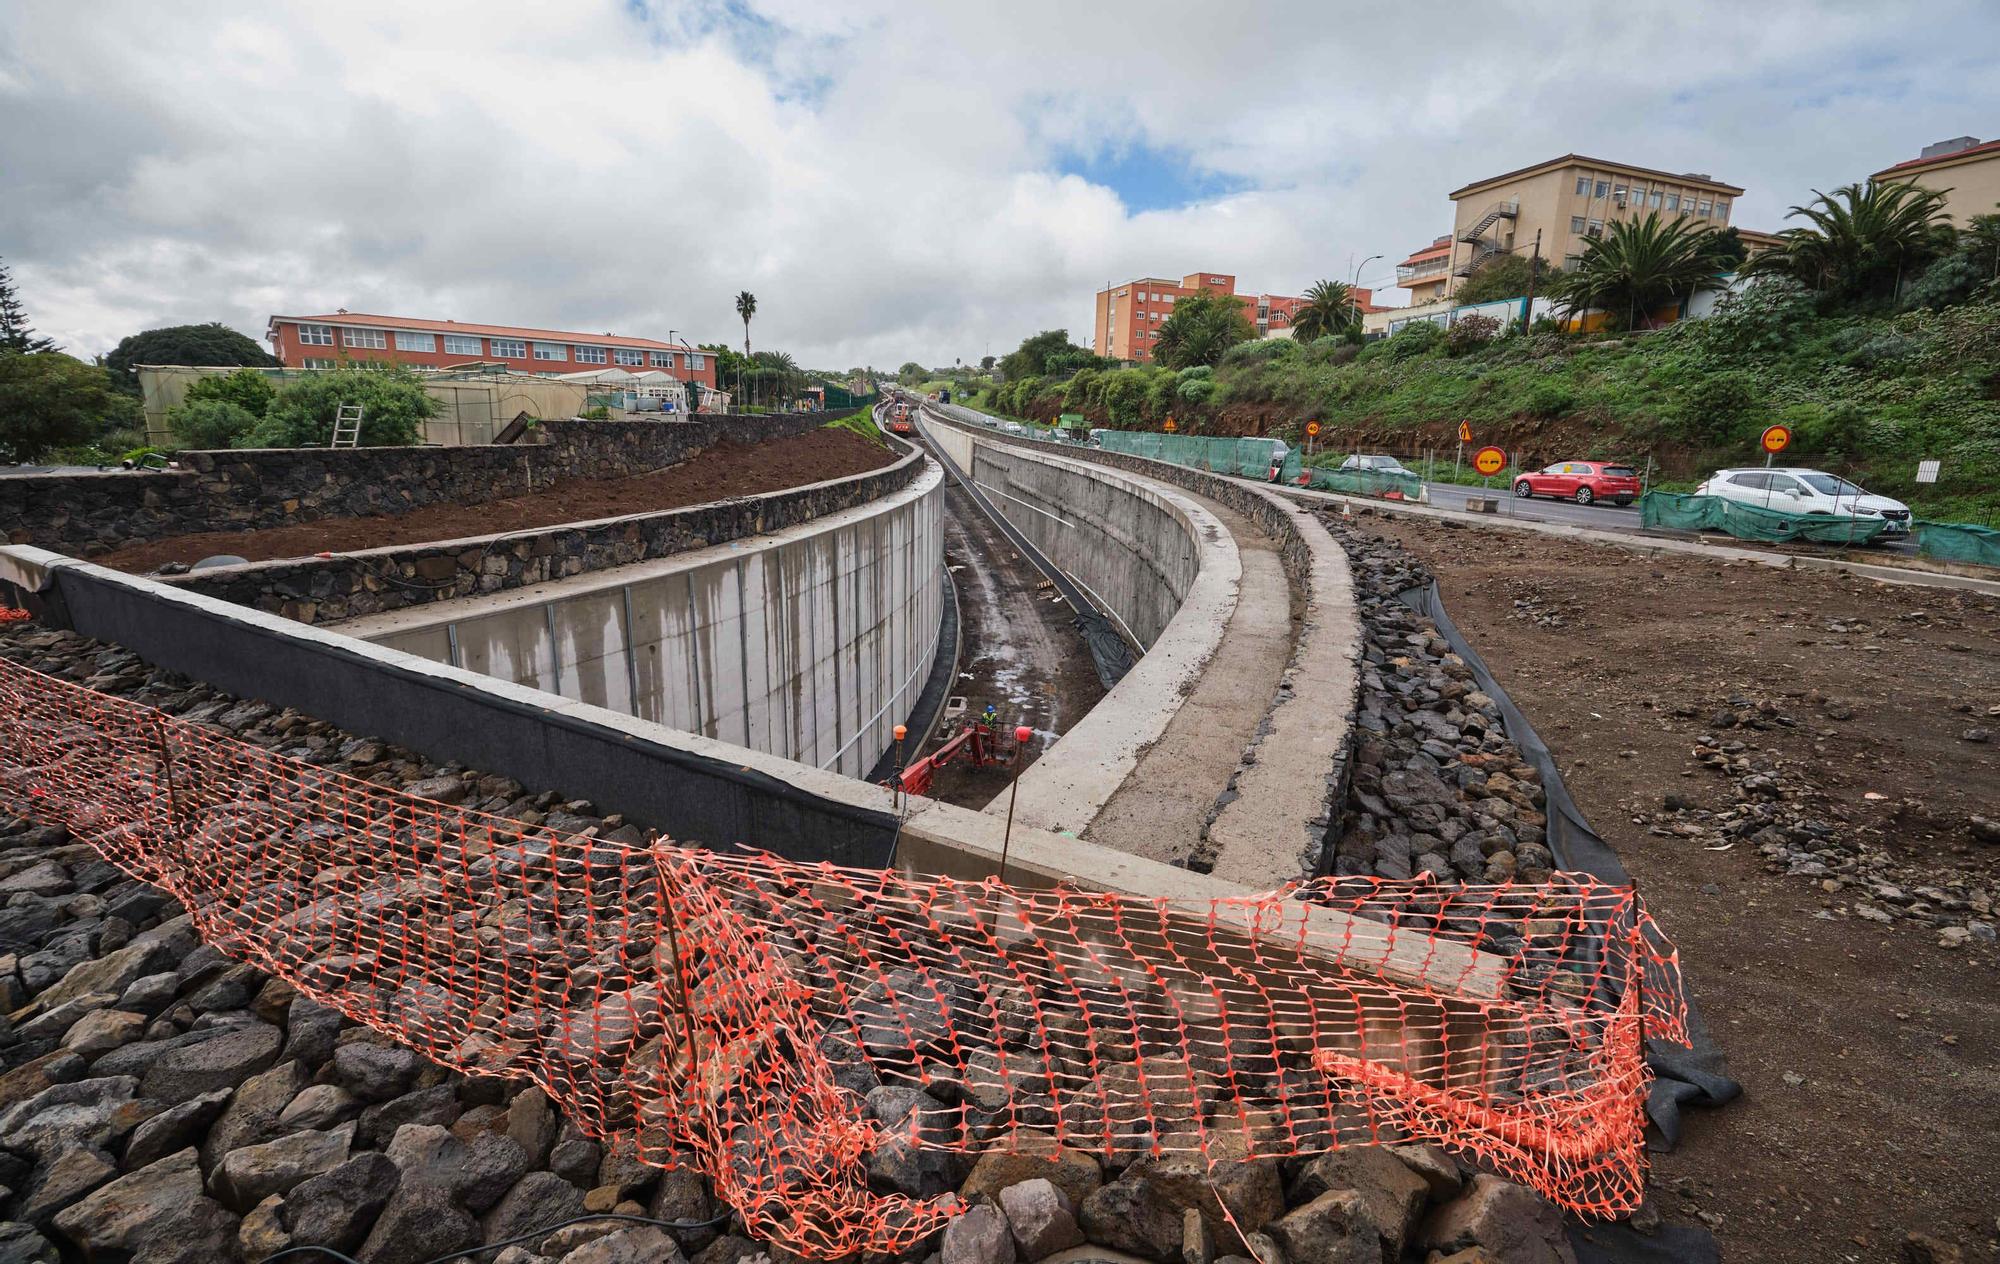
<point x="1804" y="491"/>
<point x="1376" y="464"/>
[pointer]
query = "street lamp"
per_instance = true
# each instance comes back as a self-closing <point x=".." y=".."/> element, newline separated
<point x="1354" y="279"/>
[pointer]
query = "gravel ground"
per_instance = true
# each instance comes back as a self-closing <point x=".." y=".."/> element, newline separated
<point x="161" y="1102"/>
<point x="1800" y="771"/>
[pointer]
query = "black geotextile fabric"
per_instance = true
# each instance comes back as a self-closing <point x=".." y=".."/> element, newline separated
<point x="1692" y="1076"/>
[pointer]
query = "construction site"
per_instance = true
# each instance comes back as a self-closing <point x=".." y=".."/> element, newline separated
<point x="730" y="838"/>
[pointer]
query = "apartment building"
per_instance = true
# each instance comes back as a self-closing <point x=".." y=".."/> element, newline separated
<point x="321" y="342"/>
<point x="1127" y="318"/>
<point x="1568" y="200"/>
<point x="1965" y="169"/>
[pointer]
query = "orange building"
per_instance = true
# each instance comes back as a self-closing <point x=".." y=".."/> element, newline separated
<point x="1128" y="317"/>
<point x="321" y="342"/>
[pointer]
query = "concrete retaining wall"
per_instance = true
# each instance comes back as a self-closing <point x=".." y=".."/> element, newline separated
<point x="86" y="514"/>
<point x="371" y="581"/>
<point x="811" y="643"/>
<point x="1303" y="755"/>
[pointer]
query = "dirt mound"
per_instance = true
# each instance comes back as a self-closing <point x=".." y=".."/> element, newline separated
<point x="722" y="472"/>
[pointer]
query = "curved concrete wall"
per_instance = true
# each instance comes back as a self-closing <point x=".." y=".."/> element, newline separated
<point x="811" y="643"/>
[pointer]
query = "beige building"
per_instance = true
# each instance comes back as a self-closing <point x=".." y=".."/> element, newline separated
<point x="1568" y="200"/>
<point x="1965" y="170"/>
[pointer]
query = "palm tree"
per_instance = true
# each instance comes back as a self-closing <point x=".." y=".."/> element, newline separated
<point x="746" y="307"/>
<point x="1203" y="326"/>
<point x="1329" y="309"/>
<point x="1861" y="240"/>
<point x="1641" y="265"/>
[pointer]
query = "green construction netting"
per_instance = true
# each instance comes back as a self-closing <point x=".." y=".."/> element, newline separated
<point x="1753" y="522"/>
<point x="1251" y="458"/>
<point x="1958" y="542"/>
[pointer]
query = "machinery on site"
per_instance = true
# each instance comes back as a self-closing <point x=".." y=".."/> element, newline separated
<point x="899" y="419"/>
<point x="977" y="743"/>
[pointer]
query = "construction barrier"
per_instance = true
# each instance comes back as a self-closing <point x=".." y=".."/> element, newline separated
<point x="1754" y="522"/>
<point x="733" y="1011"/>
<point x="1251" y="458"/>
<point x="1958" y="542"/>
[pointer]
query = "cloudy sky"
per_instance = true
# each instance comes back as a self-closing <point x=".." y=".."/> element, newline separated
<point x="893" y="180"/>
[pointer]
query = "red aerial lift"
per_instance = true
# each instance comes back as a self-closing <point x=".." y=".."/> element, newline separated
<point x="975" y="743"/>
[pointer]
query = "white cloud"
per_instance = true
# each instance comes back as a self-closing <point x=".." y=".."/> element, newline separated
<point x="887" y="179"/>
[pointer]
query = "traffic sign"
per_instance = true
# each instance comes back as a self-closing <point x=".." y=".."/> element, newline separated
<point x="1776" y="438"/>
<point x="1465" y="432"/>
<point x="1312" y="430"/>
<point x="1489" y="461"/>
<point x="1170" y="427"/>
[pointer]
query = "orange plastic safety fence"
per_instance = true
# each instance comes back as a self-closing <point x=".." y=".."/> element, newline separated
<point x="730" y="1010"/>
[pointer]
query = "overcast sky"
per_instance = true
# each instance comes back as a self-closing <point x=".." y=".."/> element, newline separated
<point x="892" y="180"/>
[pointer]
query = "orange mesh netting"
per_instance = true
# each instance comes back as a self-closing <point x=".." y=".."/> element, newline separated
<point x="718" y="1008"/>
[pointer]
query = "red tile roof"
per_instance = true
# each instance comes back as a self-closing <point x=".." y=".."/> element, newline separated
<point x="1971" y="150"/>
<point x="1428" y="252"/>
<point x="417" y="325"/>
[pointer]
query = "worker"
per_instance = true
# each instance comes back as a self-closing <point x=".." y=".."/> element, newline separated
<point x="990" y="717"/>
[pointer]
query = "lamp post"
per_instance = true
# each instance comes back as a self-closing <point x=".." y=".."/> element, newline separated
<point x="1354" y="279"/>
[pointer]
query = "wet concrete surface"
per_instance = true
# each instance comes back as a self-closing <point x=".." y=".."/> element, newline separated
<point x="1020" y="650"/>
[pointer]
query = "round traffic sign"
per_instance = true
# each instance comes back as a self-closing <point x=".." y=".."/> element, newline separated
<point x="1776" y="438"/>
<point x="1312" y="430"/>
<point x="1489" y="461"/>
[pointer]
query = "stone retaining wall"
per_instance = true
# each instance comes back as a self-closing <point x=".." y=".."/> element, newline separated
<point x="87" y="514"/>
<point x="347" y="585"/>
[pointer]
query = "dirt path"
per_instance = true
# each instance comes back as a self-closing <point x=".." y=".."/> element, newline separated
<point x="1161" y="807"/>
<point x="721" y="472"/>
<point x="1869" y="1050"/>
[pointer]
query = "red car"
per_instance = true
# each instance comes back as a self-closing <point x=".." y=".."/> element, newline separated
<point x="1584" y="482"/>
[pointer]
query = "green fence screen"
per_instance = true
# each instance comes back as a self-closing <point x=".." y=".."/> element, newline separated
<point x="1753" y="522"/>
<point x="1958" y="542"/>
<point x="1251" y="458"/>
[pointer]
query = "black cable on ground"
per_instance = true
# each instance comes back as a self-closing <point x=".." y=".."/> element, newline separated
<point x="531" y="1235"/>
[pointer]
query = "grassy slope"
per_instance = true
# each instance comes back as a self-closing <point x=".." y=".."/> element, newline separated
<point x="1865" y="396"/>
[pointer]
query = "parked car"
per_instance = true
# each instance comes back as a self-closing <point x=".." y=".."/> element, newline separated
<point x="1797" y="490"/>
<point x="1377" y="464"/>
<point x="1584" y="482"/>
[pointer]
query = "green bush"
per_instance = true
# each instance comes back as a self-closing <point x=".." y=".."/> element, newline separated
<point x="1548" y="397"/>
<point x="1197" y="390"/>
<point x="1414" y="341"/>
<point x="208" y="424"/>
<point x="1714" y="405"/>
<point x="393" y="401"/>
<point x="246" y="388"/>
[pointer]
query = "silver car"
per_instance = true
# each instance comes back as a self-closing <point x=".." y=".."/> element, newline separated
<point x="1794" y="489"/>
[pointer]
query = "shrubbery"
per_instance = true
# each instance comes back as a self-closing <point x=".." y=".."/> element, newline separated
<point x="393" y="401"/>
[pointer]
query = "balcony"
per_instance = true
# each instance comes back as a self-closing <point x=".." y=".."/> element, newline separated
<point x="1418" y="273"/>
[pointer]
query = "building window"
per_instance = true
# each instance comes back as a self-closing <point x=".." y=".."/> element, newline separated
<point x="508" y="349"/>
<point x="310" y="363"/>
<point x="1659" y="196"/>
<point x="1722" y="210"/>
<point x="1673" y="201"/>
<point x="697" y="362"/>
<point x="1618" y="190"/>
<point x="1572" y="262"/>
<point x="1596" y="228"/>
<point x="374" y="338"/>
<point x="1703" y="208"/>
<point x="316" y="335"/>
<point x="1576" y="223"/>
<point x="406" y="341"/>
<point x="627" y="356"/>
<point x="590" y="355"/>
<point x="1583" y="186"/>
<point x="460" y="344"/>
<point x="551" y="351"/>
<point x="660" y="359"/>
<point x="1603" y="188"/>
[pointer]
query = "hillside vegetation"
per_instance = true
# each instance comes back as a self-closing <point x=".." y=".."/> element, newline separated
<point x="1865" y="395"/>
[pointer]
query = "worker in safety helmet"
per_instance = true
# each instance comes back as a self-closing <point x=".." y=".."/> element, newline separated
<point x="990" y="717"/>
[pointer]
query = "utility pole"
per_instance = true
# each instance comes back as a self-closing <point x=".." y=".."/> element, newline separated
<point x="1534" y="267"/>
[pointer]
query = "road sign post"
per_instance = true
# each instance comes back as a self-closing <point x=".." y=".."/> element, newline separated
<point x="1464" y="437"/>
<point x="1312" y="432"/>
<point x="1488" y="461"/>
<point x="1774" y="440"/>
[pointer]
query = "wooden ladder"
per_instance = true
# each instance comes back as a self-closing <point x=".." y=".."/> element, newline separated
<point x="347" y="426"/>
